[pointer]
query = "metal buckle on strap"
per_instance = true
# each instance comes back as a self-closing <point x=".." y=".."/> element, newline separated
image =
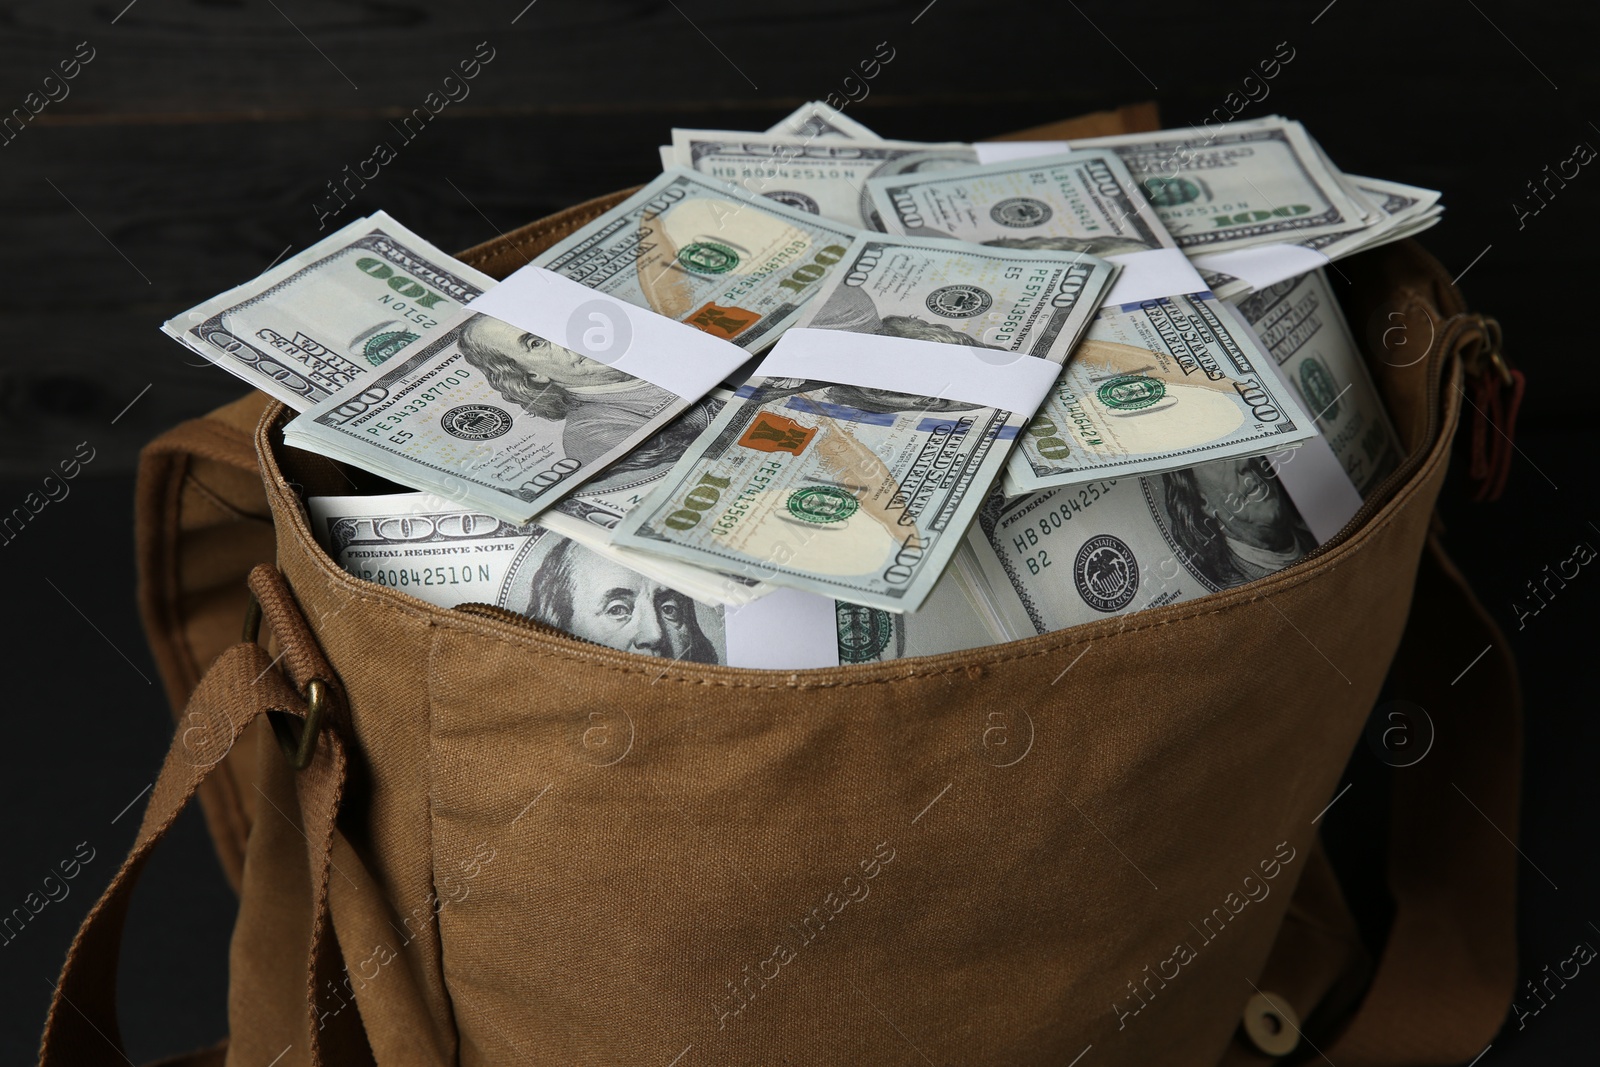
<point x="299" y="746"/>
<point x="1488" y="357"/>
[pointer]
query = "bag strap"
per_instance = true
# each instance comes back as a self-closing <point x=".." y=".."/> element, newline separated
<point x="240" y="686"/>
<point x="201" y="522"/>
<point x="170" y="600"/>
<point x="1449" y="968"/>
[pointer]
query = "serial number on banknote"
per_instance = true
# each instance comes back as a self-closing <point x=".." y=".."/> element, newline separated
<point x="402" y="577"/>
<point x="1058" y="515"/>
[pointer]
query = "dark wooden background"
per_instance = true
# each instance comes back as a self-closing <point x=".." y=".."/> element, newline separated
<point x="192" y="148"/>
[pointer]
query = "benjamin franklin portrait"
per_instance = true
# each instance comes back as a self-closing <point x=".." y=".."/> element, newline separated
<point x="599" y="405"/>
<point x="1232" y="520"/>
<point x="589" y="596"/>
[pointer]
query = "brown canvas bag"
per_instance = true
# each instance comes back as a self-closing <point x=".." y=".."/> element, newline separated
<point x="507" y="845"/>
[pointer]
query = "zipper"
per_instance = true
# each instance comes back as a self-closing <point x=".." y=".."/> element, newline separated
<point x="499" y="614"/>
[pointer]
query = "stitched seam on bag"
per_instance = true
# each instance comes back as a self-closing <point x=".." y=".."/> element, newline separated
<point x="795" y="683"/>
<point x="432" y="635"/>
<point x="792" y="682"/>
<point x="170" y="600"/>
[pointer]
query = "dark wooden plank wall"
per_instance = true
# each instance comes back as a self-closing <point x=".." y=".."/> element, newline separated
<point x="194" y="147"/>
<point x="190" y="153"/>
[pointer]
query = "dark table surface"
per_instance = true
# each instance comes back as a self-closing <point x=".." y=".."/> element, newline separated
<point x="195" y="146"/>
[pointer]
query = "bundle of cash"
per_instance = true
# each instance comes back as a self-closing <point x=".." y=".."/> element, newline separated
<point x="1084" y="201"/>
<point x="307" y="328"/>
<point x="1258" y="200"/>
<point x="1165" y="376"/>
<point x="1048" y="560"/>
<point x="1157" y="386"/>
<point x="509" y="421"/>
<point x="862" y="492"/>
<point x="917" y="396"/>
<point x="825" y="176"/>
<point x="1240" y="185"/>
<point x="434" y="550"/>
<point x="1062" y="557"/>
<point x="1301" y="324"/>
<point x="809" y="121"/>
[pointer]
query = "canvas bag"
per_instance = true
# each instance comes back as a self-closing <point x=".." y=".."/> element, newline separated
<point x="510" y="846"/>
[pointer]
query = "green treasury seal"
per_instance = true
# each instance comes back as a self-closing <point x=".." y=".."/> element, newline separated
<point x="380" y="347"/>
<point x="1170" y="192"/>
<point x="708" y="257"/>
<point x="1131" y="392"/>
<point x="822" y="503"/>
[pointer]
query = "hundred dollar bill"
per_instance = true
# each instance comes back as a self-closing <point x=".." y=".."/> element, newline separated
<point x="305" y="329"/>
<point x="448" y="556"/>
<point x="816" y="119"/>
<point x="439" y="553"/>
<point x="810" y="120"/>
<point x="592" y="511"/>
<point x="1221" y="283"/>
<point x="1067" y="556"/>
<point x="495" y="416"/>
<point x="1399" y="211"/>
<point x="1410" y="228"/>
<point x="1092" y="425"/>
<point x="948" y="621"/>
<point x="1302" y="325"/>
<point x="1398" y="201"/>
<point x="825" y="177"/>
<point x="1403" y="211"/>
<point x="1156" y="386"/>
<point x="1247" y="184"/>
<point x="1083" y="202"/>
<point x="701" y="251"/>
<point x="861" y="493"/>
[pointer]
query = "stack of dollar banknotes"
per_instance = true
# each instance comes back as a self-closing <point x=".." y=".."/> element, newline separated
<point x="814" y="397"/>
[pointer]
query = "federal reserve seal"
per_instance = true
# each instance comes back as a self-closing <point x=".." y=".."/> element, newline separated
<point x="821" y="503"/>
<point x="1131" y="392"/>
<point x="1106" y="573"/>
<point x="1170" y="192"/>
<point x="708" y="257"/>
<point x="1020" y="212"/>
<point x="959" y="301"/>
<point x="863" y="632"/>
<point x="796" y="200"/>
<point x="476" y="422"/>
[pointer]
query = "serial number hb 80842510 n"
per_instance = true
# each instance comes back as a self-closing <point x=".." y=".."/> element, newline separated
<point x="402" y="577"/>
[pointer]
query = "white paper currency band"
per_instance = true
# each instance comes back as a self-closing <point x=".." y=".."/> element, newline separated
<point x="1153" y="274"/>
<point x="660" y="350"/>
<point x="908" y="365"/>
<point x="787" y="629"/>
<point x="1322" y="492"/>
<point x="1006" y="151"/>
<point x="1264" y="265"/>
